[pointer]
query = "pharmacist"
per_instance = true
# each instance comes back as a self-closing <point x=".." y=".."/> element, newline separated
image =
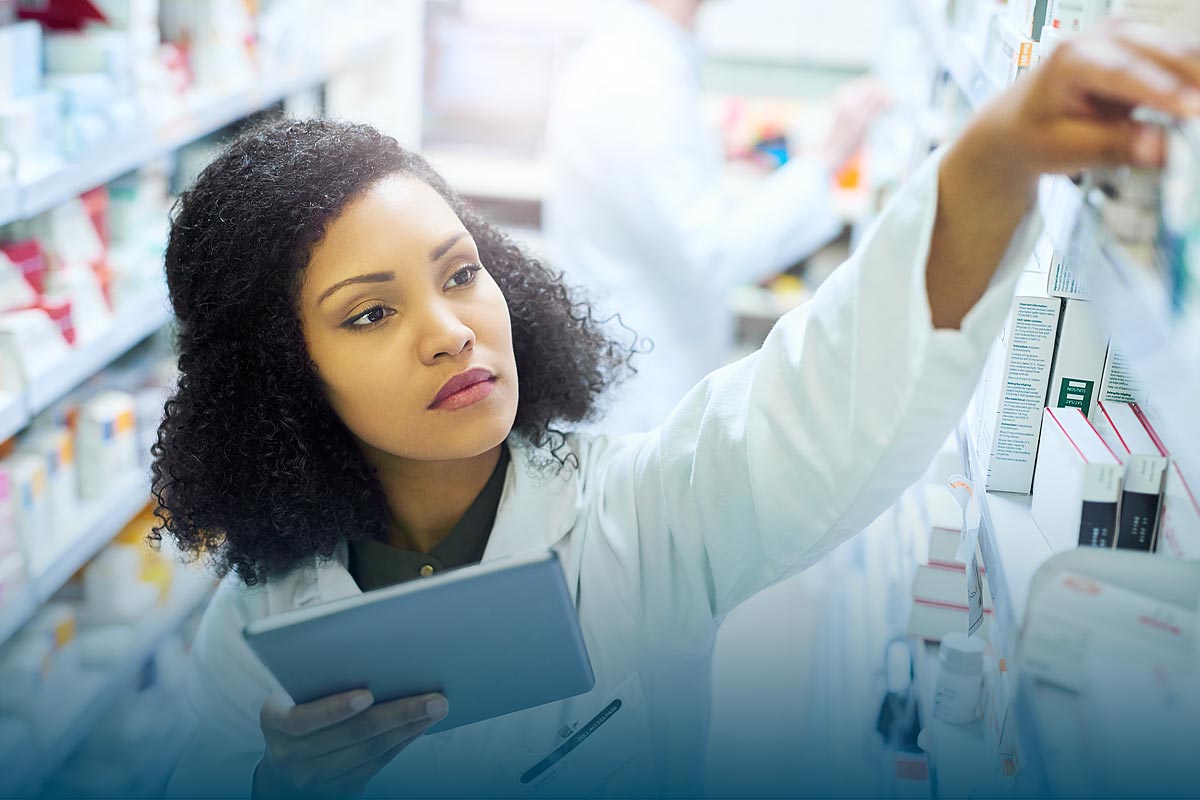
<point x="326" y="283"/>
<point x="638" y="212"/>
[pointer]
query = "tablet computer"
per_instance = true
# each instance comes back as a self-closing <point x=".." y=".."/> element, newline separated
<point x="494" y="638"/>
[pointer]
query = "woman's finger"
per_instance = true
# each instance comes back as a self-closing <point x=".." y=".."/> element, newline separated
<point x="1070" y="145"/>
<point x="279" y="715"/>
<point x="376" y="721"/>
<point x="1175" y="50"/>
<point x="1104" y="70"/>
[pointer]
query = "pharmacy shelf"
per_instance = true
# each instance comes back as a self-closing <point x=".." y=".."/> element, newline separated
<point x="99" y="521"/>
<point x="98" y="691"/>
<point x="13" y="415"/>
<point x="112" y="159"/>
<point x="140" y="317"/>
<point x="1011" y="543"/>
<point x="1162" y="346"/>
<point x="963" y="64"/>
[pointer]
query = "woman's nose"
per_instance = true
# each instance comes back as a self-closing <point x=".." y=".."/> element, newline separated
<point x="445" y="336"/>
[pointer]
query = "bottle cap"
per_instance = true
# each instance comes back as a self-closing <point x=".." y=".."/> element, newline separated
<point x="961" y="653"/>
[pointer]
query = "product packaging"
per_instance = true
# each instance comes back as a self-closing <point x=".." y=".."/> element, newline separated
<point x="1019" y="374"/>
<point x="1124" y="428"/>
<point x="107" y="444"/>
<point x="1078" y="483"/>
<point x="1078" y="358"/>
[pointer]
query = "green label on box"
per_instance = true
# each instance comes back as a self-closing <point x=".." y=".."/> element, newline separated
<point x="1076" y="394"/>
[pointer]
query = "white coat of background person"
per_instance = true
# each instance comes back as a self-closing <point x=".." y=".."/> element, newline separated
<point x="637" y="213"/>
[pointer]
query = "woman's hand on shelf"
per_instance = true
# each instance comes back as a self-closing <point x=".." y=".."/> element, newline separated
<point x="1072" y="112"/>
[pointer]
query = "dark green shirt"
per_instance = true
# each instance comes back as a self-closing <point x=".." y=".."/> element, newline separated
<point x="375" y="564"/>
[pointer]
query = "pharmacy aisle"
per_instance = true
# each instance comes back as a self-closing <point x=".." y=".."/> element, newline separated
<point x="107" y="110"/>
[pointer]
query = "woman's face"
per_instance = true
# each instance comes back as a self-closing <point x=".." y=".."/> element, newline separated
<point x="411" y="336"/>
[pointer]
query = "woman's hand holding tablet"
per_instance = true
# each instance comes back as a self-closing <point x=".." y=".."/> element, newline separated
<point x="333" y="746"/>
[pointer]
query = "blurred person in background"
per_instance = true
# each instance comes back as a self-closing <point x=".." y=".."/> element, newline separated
<point x="638" y="214"/>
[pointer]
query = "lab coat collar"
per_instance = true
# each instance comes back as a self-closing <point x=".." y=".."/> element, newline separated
<point x="537" y="509"/>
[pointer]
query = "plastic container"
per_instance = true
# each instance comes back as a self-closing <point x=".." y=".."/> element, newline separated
<point x="959" y="679"/>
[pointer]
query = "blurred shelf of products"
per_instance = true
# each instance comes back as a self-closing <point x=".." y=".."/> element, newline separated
<point x="110" y="108"/>
<point x="107" y="111"/>
<point x="1102" y="351"/>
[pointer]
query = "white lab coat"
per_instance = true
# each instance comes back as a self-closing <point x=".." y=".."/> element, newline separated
<point x="764" y="467"/>
<point x="637" y="213"/>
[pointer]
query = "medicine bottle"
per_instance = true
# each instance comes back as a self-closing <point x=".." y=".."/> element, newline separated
<point x="959" y="679"/>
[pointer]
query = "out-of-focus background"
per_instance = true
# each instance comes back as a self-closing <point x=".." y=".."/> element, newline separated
<point x="110" y="108"/>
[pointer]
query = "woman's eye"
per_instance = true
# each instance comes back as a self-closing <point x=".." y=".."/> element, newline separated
<point x="369" y="318"/>
<point x="463" y="276"/>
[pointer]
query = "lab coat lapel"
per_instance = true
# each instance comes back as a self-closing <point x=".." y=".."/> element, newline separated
<point x="537" y="510"/>
<point x="320" y="582"/>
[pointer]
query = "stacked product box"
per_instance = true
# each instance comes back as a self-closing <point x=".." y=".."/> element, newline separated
<point x="1079" y="354"/>
<point x="940" y="603"/>
<point x="1124" y="428"/>
<point x="1077" y="488"/>
<point x="1014" y="390"/>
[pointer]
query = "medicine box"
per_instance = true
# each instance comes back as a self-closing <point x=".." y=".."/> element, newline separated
<point x="1015" y="393"/>
<point x="1078" y="358"/>
<point x="1078" y="483"/>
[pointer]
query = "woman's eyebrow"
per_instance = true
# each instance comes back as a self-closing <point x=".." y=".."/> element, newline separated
<point x="370" y="277"/>
<point x="442" y="248"/>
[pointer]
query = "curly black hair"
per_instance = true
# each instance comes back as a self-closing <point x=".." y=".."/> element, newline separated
<point x="252" y="468"/>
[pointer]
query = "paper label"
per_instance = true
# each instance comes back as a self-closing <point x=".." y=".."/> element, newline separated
<point x="964" y="492"/>
<point x="1138" y="514"/>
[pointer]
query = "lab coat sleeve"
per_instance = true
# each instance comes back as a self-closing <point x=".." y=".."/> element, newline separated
<point x="227" y="686"/>
<point x="773" y="461"/>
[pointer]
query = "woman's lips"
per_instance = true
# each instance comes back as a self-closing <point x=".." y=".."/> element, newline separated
<point x="464" y="389"/>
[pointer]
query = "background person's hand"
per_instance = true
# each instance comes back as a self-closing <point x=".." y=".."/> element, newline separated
<point x="333" y="746"/>
<point x="855" y="107"/>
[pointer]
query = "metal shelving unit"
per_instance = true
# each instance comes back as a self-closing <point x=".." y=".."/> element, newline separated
<point x="117" y="157"/>
<point x="137" y="321"/>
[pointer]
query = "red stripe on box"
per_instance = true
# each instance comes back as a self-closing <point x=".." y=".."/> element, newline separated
<point x="1054" y="417"/>
<point x="1115" y="429"/>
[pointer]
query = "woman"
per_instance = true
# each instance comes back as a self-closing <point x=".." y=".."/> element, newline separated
<point x="360" y="354"/>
